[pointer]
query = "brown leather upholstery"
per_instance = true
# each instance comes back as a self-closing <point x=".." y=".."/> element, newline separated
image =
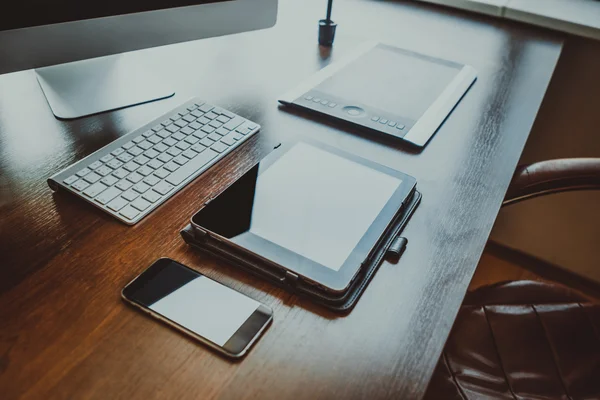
<point x="553" y="176"/>
<point x="521" y="340"/>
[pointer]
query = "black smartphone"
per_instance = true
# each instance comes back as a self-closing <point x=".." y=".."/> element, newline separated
<point x="214" y="314"/>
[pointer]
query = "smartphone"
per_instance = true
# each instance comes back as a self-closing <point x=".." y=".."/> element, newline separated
<point x="214" y="314"/>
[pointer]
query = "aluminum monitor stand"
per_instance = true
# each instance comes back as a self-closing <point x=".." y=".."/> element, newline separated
<point x="88" y="87"/>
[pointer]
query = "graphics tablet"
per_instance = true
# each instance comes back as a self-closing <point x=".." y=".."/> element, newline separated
<point x="386" y="90"/>
<point x="309" y="209"/>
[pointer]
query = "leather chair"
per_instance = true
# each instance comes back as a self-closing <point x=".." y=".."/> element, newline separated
<point x="524" y="339"/>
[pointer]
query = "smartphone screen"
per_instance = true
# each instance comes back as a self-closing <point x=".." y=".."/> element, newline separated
<point x="216" y="314"/>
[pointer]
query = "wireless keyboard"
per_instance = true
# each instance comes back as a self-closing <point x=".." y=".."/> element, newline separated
<point x="138" y="172"/>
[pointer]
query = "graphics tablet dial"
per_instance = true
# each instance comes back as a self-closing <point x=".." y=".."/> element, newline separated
<point x="354" y="111"/>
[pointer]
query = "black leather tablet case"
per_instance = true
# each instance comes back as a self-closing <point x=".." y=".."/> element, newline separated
<point x="392" y="246"/>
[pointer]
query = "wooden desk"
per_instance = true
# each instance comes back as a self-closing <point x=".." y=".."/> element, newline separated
<point x="64" y="331"/>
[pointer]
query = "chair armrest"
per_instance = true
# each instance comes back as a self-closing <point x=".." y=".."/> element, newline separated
<point x="553" y="176"/>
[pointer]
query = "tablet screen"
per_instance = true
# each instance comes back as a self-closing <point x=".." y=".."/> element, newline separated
<point x="318" y="204"/>
<point x="311" y="202"/>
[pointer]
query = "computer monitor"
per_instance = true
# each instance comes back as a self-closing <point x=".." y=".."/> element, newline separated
<point x="55" y="36"/>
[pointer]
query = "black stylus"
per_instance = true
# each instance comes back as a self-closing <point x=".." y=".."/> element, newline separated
<point x="327" y="27"/>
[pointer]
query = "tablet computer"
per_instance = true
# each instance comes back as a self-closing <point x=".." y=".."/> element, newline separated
<point x="386" y="90"/>
<point x="310" y="209"/>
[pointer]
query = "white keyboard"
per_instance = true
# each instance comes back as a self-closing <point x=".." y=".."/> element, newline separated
<point x="136" y="173"/>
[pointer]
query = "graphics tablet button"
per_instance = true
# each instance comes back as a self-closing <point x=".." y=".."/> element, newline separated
<point x="354" y="111"/>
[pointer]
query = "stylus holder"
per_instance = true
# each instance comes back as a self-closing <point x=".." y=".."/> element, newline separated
<point x="326" y="32"/>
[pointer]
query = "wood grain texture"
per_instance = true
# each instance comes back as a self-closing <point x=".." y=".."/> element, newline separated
<point x="64" y="331"/>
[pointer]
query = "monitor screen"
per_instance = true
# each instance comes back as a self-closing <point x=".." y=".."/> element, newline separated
<point x="29" y="13"/>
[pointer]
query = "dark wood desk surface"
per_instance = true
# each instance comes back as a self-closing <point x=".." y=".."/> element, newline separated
<point x="64" y="331"/>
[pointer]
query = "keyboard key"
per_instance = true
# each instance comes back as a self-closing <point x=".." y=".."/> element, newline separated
<point x="399" y="126"/>
<point x="151" y="153"/>
<point x="195" y="126"/>
<point x="197" y="113"/>
<point x="149" y="133"/>
<point x="138" y="139"/>
<point x="108" y="195"/>
<point x="199" y="148"/>
<point x="171" y="166"/>
<point x="83" y="172"/>
<point x="174" y="151"/>
<point x="163" y="134"/>
<point x="103" y="170"/>
<point x="95" y="165"/>
<point x="125" y="157"/>
<point x="187" y="130"/>
<point x="106" y="158"/>
<point x="211" y="115"/>
<point x="95" y="189"/>
<point x="152" y="196"/>
<point x="180" y="123"/>
<point x="214" y="136"/>
<point x="207" y="129"/>
<point x="129" y="212"/>
<point x="163" y="188"/>
<point x="222" y="131"/>
<point x="130" y="195"/>
<point x="219" y="147"/>
<point x="183" y="145"/>
<point x="72" y="179"/>
<point x="188" y="153"/>
<point x="128" y="145"/>
<point x="120" y="173"/>
<point x="192" y="107"/>
<point x="162" y="173"/>
<point x="135" y="177"/>
<point x="178" y="136"/>
<point x="223" y="119"/>
<point x="234" y="123"/>
<point x="141" y="159"/>
<point x="141" y="204"/>
<point x="164" y="157"/>
<point x="383" y="121"/>
<point x="190" y="168"/>
<point x="80" y="185"/>
<point x="392" y="124"/>
<point x="141" y="187"/>
<point x="117" y="204"/>
<point x="161" y="147"/>
<point x="145" y="170"/>
<point x="109" y="180"/>
<point x="155" y="164"/>
<point x="131" y="166"/>
<point x="124" y="184"/>
<point x="237" y="136"/>
<point x="203" y="120"/>
<point x="192" y="140"/>
<point x="200" y="134"/>
<point x="228" y="140"/>
<point x="205" y="108"/>
<point x="155" y="139"/>
<point x="189" y="118"/>
<point x="151" y="180"/>
<point x="172" y="128"/>
<point x="145" y="145"/>
<point x="114" y="164"/>
<point x="215" y="124"/>
<point x="206" y="142"/>
<point x="180" y="160"/>
<point x="92" y="177"/>
<point x="170" y="142"/>
<point x="117" y="152"/>
<point x="157" y="128"/>
<point x="135" y="151"/>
